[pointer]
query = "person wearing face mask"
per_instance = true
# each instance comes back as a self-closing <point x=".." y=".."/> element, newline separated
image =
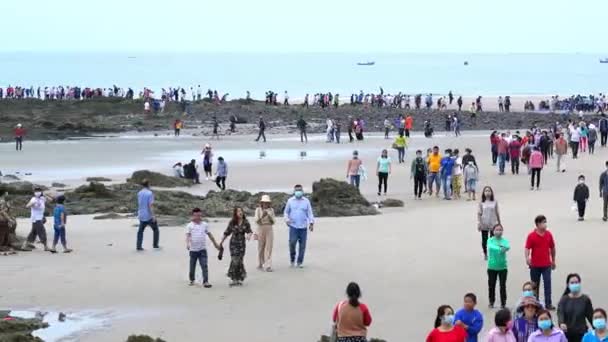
<point x="298" y="217"/>
<point x="540" y="256"/>
<point x="36" y="206"/>
<point x="574" y="310"/>
<point x="444" y="328"/>
<point x="503" y="332"/>
<point x="527" y="324"/>
<point x="581" y="196"/>
<point x="419" y="170"/>
<point x="383" y="169"/>
<point x="604" y="191"/>
<point x="529" y="293"/>
<point x="497" y="265"/>
<point x="547" y="332"/>
<point x="599" y="332"/>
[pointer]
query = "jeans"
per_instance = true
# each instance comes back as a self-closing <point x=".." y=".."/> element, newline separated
<point x="574" y="148"/>
<point x="604" y="138"/>
<point x="502" y="276"/>
<point x="535" y="172"/>
<point x="447" y="186"/>
<point x="303" y="136"/>
<point x="355" y="180"/>
<point x="201" y="257"/>
<point x="220" y="182"/>
<point x="545" y="272"/>
<point x="59" y="235"/>
<point x="591" y="146"/>
<point x="140" y="233"/>
<point x="502" y="158"/>
<point x="18" y="143"/>
<point x="386" y="130"/>
<point x="494" y="154"/>
<point x="261" y="135"/>
<point x="515" y="165"/>
<point x="297" y="235"/>
<point x="382" y="180"/>
<point x="401" y="152"/>
<point x="581" y="208"/>
<point x="434" y="177"/>
<point x="418" y="185"/>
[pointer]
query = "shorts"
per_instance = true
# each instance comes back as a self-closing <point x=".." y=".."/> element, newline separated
<point x="207" y="167"/>
<point x="471" y="184"/>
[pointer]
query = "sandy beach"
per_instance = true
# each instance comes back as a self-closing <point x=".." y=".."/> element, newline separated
<point x="407" y="260"/>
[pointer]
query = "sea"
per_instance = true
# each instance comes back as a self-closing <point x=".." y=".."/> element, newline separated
<point x="299" y="74"/>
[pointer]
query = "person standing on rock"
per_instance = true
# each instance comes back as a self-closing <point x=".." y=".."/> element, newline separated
<point x="36" y="206"/>
<point x="262" y="129"/>
<point x="240" y="230"/>
<point x="299" y="217"/>
<point x="145" y="214"/>
<point x="264" y="217"/>
<point x="19" y="134"/>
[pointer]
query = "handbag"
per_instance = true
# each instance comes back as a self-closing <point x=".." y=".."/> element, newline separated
<point x="333" y="337"/>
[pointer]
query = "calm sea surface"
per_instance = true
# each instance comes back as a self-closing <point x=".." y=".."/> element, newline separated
<point x="517" y="74"/>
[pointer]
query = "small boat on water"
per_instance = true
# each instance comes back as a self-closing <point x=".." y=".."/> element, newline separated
<point x="466" y="63"/>
<point x="604" y="60"/>
<point x="366" y="63"/>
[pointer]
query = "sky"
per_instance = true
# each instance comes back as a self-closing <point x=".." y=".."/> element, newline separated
<point x="314" y="26"/>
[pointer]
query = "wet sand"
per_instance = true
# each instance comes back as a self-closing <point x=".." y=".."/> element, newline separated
<point x="408" y="260"/>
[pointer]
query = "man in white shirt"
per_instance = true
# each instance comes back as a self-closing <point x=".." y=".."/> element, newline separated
<point x="36" y="206"/>
<point x="197" y="232"/>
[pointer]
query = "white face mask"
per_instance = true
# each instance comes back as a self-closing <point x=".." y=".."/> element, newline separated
<point x="37" y="193"/>
<point x="581" y="181"/>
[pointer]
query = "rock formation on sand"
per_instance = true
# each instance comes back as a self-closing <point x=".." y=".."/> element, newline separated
<point x="335" y="198"/>
<point x="158" y="179"/>
<point x="143" y="338"/>
<point x="13" y="329"/>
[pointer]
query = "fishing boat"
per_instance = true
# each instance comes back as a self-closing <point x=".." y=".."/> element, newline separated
<point x="604" y="60"/>
<point x="366" y="63"/>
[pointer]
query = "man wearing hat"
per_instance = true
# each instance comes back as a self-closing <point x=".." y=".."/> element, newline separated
<point x="265" y="219"/>
<point x="19" y="133"/>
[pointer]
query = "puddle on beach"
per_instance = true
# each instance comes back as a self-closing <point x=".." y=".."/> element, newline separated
<point x="72" y="329"/>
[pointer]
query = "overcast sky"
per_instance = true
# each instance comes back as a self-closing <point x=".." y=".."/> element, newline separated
<point x="460" y="26"/>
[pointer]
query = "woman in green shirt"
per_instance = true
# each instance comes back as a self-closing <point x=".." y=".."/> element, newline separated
<point x="497" y="265"/>
<point x="383" y="169"/>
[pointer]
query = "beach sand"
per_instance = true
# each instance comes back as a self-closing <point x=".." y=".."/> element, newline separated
<point x="408" y="260"/>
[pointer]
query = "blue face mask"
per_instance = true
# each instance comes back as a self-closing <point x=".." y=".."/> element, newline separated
<point x="599" y="323"/>
<point x="448" y="319"/>
<point x="298" y="193"/>
<point x="545" y="324"/>
<point x="574" y="288"/>
<point x="528" y="294"/>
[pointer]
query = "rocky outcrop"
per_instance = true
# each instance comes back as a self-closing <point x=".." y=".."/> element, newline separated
<point x="158" y="179"/>
<point x="221" y="204"/>
<point x="13" y="329"/>
<point x="143" y="338"/>
<point x="98" y="179"/>
<point x="392" y="203"/>
<point x="335" y="198"/>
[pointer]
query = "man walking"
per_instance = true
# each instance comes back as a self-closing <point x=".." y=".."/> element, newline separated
<point x="540" y="256"/>
<point x="603" y="131"/>
<point x="145" y="214"/>
<point x="299" y="217"/>
<point x="36" y="206"/>
<point x="262" y="127"/>
<point x="302" y="127"/>
<point x="604" y="191"/>
<point x="561" y="149"/>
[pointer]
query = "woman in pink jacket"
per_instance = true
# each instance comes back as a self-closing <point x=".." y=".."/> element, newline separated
<point x="536" y="163"/>
<point x="503" y="331"/>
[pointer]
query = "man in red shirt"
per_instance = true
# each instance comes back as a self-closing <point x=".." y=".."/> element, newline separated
<point x="540" y="256"/>
<point x="19" y="133"/>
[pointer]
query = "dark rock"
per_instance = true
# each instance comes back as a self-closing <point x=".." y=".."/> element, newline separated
<point x="392" y="203"/>
<point x="61" y="317"/>
<point x="143" y="338"/>
<point x="58" y="185"/>
<point x="20" y="330"/>
<point x="11" y="177"/>
<point x="110" y="216"/>
<point x="93" y="190"/>
<point x="335" y="198"/>
<point x="98" y="179"/>
<point x="221" y="204"/>
<point x="19" y="188"/>
<point x="158" y="179"/>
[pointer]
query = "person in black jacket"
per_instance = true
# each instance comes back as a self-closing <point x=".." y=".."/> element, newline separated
<point x="581" y="196"/>
<point x="262" y="127"/>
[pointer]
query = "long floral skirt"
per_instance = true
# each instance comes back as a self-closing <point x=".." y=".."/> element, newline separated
<point x="237" y="272"/>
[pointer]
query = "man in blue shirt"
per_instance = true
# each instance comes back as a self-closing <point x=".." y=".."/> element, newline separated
<point x="145" y="214"/>
<point x="299" y="217"/>
<point x="447" y="165"/>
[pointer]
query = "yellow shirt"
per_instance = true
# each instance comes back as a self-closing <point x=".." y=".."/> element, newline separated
<point x="434" y="162"/>
<point x="400" y="141"/>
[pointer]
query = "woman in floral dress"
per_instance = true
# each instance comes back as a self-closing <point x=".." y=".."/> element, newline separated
<point x="241" y="231"/>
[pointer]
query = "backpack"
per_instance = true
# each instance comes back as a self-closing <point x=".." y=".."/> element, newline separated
<point x="419" y="166"/>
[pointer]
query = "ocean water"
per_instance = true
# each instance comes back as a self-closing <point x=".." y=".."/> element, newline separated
<point x="504" y="74"/>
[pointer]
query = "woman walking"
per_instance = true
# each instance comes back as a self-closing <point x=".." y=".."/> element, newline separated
<point x="487" y="217"/>
<point x="383" y="169"/>
<point x="592" y="138"/>
<point x="351" y="317"/>
<point x="574" y="310"/>
<point x="536" y="163"/>
<point x="445" y="330"/>
<point x="353" y="170"/>
<point x="400" y="144"/>
<point x="584" y="132"/>
<point x="497" y="266"/>
<point x="264" y="217"/>
<point x="240" y="230"/>
<point x="599" y="332"/>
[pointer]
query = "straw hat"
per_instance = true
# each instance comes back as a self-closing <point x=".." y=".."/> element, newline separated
<point x="265" y="199"/>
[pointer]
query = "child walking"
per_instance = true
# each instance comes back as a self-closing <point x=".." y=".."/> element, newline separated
<point x="197" y="232"/>
<point x="471" y="174"/>
<point x="581" y="196"/>
<point x="60" y="218"/>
